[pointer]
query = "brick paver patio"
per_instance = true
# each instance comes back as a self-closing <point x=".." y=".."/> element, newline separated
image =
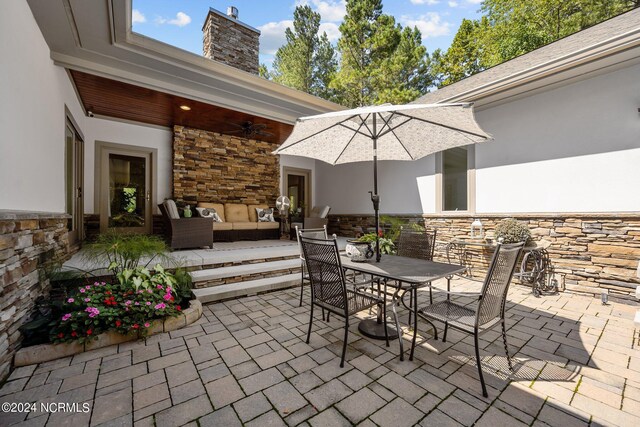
<point x="246" y="363"/>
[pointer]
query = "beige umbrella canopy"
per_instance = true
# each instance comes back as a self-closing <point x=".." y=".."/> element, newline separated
<point x="384" y="132"/>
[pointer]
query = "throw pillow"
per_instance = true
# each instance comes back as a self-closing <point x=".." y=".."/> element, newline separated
<point x="265" y="215"/>
<point x="209" y="213"/>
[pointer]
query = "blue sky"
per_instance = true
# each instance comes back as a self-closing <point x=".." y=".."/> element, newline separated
<point x="179" y="23"/>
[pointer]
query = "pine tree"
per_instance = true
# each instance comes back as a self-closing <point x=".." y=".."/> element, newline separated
<point x="379" y="61"/>
<point x="307" y="61"/>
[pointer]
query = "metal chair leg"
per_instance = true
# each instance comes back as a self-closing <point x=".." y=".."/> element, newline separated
<point x="344" y="344"/>
<point x="395" y="318"/>
<point x="506" y="349"/>
<point x="301" y="288"/>
<point x="446" y="328"/>
<point x="484" y="388"/>
<point x="310" y="323"/>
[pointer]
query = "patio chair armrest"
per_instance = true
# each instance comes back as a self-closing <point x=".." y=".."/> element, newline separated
<point x="196" y="223"/>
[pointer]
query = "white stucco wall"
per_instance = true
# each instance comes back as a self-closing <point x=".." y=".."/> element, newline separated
<point x="404" y="187"/>
<point x="571" y="149"/>
<point x="127" y="134"/>
<point x="33" y="93"/>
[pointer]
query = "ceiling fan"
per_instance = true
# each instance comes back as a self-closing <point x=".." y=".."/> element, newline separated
<point x="249" y="129"/>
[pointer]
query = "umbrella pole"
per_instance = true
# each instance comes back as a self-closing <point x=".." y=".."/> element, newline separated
<point x="375" y="198"/>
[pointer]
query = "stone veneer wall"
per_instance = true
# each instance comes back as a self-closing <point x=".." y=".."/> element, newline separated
<point x="588" y="251"/>
<point x="211" y="167"/>
<point x="231" y="42"/>
<point x="28" y="240"/>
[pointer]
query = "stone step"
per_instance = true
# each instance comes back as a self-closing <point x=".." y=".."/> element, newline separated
<point x="251" y="287"/>
<point x="243" y="270"/>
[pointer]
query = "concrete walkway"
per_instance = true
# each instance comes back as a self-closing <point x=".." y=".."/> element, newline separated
<point x="246" y="363"/>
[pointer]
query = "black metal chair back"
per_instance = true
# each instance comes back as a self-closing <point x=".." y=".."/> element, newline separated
<point x="312" y="233"/>
<point x="496" y="283"/>
<point x="328" y="284"/>
<point x="417" y="244"/>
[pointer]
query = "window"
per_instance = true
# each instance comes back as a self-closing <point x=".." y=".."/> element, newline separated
<point x="456" y="180"/>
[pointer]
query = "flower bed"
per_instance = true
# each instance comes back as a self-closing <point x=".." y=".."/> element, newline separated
<point x="127" y="305"/>
<point x="46" y="352"/>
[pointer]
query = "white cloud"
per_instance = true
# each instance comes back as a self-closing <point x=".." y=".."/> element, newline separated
<point x="137" y="17"/>
<point x="332" y="30"/>
<point x="180" y="20"/>
<point x="272" y="36"/>
<point x="474" y="1"/>
<point x="429" y="24"/>
<point x="427" y="2"/>
<point x="329" y="10"/>
<point x="453" y="4"/>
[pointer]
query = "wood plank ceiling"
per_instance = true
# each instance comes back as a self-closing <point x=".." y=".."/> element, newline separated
<point x="120" y="100"/>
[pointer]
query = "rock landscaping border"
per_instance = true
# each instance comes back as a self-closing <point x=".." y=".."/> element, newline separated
<point x="46" y="352"/>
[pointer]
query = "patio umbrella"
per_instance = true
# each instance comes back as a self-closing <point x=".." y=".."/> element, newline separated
<point x="384" y="132"/>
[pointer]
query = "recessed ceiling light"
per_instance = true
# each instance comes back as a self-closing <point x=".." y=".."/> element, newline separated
<point x="185" y="107"/>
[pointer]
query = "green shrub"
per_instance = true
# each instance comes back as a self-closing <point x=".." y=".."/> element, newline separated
<point x="512" y="231"/>
<point x="124" y="251"/>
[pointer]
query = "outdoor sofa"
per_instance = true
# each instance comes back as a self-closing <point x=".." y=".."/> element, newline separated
<point x="240" y="222"/>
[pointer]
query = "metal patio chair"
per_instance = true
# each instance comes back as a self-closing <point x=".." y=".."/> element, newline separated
<point x="417" y="244"/>
<point x="486" y="313"/>
<point x="329" y="286"/>
<point x="313" y="233"/>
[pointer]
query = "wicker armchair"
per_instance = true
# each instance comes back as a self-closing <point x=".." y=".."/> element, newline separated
<point x="182" y="233"/>
<point x="329" y="287"/>
<point x="489" y="310"/>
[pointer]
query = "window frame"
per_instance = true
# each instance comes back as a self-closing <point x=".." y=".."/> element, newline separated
<point x="471" y="182"/>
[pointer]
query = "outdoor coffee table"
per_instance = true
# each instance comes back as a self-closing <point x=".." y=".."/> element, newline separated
<point x="404" y="274"/>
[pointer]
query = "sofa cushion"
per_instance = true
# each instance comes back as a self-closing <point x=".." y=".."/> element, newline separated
<point x="222" y="226"/>
<point x="268" y="225"/>
<point x="245" y="225"/>
<point x="236" y="212"/>
<point x="253" y="216"/>
<point x="219" y="208"/>
<point x="171" y="208"/>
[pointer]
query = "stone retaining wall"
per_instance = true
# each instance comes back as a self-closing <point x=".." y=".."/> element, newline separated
<point x="28" y="241"/>
<point x="589" y="252"/>
<point x="211" y="167"/>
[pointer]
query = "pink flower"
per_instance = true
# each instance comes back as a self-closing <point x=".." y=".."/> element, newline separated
<point x="88" y="287"/>
<point x="82" y="290"/>
<point x="128" y="302"/>
<point x="66" y="317"/>
<point x="149" y="291"/>
<point x="136" y="303"/>
<point x="87" y="300"/>
<point x="148" y="302"/>
<point x="160" y="306"/>
<point x="159" y="287"/>
<point x="70" y="300"/>
<point x="147" y="324"/>
<point x="167" y="296"/>
<point x="103" y="283"/>
<point x="93" y="312"/>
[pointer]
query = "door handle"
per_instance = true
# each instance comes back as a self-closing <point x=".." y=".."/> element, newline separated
<point x="79" y="192"/>
<point x="148" y="195"/>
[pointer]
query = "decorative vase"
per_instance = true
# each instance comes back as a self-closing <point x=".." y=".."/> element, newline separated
<point x="187" y="212"/>
<point x="358" y="251"/>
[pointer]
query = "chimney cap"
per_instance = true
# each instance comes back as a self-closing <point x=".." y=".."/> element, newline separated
<point x="232" y="12"/>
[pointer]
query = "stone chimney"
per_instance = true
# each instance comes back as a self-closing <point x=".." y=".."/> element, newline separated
<point x="226" y="39"/>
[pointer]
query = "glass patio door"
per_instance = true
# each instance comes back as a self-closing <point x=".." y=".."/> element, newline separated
<point x="74" y="183"/>
<point x="125" y="199"/>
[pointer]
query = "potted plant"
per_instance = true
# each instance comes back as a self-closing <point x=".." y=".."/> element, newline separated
<point x="512" y="231"/>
